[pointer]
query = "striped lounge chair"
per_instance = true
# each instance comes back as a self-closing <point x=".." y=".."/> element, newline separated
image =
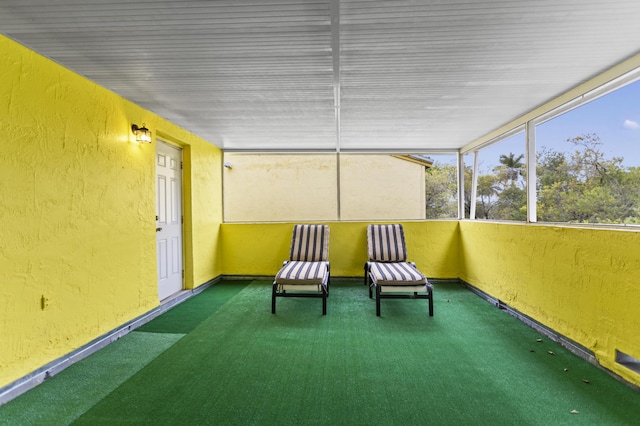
<point x="387" y="270"/>
<point x="306" y="273"/>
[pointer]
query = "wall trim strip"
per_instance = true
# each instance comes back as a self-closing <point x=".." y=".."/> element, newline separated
<point x="574" y="347"/>
<point x="36" y="377"/>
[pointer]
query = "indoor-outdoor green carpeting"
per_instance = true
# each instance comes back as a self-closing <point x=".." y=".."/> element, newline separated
<point x="62" y="399"/>
<point x="469" y="364"/>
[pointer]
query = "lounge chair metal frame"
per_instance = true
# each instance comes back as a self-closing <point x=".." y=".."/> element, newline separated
<point x="388" y="271"/>
<point x="307" y="272"/>
<point x="313" y="292"/>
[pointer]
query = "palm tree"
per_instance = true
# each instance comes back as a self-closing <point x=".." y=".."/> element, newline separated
<point x="512" y="167"/>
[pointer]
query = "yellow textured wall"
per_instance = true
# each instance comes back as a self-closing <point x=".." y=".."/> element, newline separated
<point x="77" y="252"/>
<point x="381" y="187"/>
<point x="78" y="256"/>
<point x="581" y="282"/>
<point x="260" y="248"/>
<point x="202" y="210"/>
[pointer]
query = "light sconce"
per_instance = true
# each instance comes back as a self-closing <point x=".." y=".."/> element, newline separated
<point x="228" y="165"/>
<point x="142" y="133"/>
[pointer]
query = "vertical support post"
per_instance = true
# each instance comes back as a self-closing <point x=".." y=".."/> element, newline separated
<point x="338" y="192"/>
<point x="474" y="186"/>
<point x="460" y="186"/>
<point x="335" y="50"/>
<point x="532" y="212"/>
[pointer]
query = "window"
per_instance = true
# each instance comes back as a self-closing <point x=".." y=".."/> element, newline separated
<point x="274" y="187"/>
<point x="381" y="187"/>
<point x="441" y="187"/>
<point x="280" y="187"/>
<point x="501" y="180"/>
<point x="588" y="161"/>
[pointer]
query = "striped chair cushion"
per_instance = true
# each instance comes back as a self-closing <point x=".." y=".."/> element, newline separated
<point x="296" y="272"/>
<point x="386" y="243"/>
<point x="399" y="273"/>
<point x="310" y="243"/>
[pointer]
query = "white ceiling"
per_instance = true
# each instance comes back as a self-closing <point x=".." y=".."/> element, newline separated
<point x="406" y="75"/>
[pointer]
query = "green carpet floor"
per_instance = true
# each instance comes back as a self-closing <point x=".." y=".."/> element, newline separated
<point x="236" y="363"/>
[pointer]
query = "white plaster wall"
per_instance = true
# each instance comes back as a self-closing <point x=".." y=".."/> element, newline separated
<point x="306" y="187"/>
<point x="280" y="187"/>
<point x="381" y="187"/>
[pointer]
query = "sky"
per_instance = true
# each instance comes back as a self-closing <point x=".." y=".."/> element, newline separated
<point x="614" y="117"/>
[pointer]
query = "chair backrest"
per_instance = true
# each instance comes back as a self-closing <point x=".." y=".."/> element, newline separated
<point x="386" y="243"/>
<point x="310" y="243"/>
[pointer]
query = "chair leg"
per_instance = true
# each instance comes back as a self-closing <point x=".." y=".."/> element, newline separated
<point x="377" y="300"/>
<point x="324" y="288"/>
<point x="430" y="303"/>
<point x="366" y="273"/>
<point x="328" y="284"/>
<point x="273" y="298"/>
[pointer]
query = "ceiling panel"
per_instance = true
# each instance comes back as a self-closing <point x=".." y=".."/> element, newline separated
<point x="440" y="74"/>
<point x="334" y="74"/>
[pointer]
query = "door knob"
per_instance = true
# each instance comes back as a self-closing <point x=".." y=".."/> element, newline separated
<point x="158" y="229"/>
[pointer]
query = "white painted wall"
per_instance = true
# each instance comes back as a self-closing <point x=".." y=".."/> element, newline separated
<point x="304" y="187"/>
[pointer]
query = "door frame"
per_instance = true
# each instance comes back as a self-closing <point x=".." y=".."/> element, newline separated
<point x="180" y="149"/>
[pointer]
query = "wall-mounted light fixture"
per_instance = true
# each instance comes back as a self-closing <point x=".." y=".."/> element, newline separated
<point x="228" y="165"/>
<point x="142" y="133"/>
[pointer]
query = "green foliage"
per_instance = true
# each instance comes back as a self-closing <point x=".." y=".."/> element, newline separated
<point x="441" y="191"/>
<point x="580" y="185"/>
<point x="585" y="186"/>
<point x="501" y="195"/>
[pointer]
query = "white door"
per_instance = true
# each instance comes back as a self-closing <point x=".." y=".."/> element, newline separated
<point x="169" y="219"/>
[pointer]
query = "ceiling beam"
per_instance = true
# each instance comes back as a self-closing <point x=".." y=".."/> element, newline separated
<point x="335" y="49"/>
